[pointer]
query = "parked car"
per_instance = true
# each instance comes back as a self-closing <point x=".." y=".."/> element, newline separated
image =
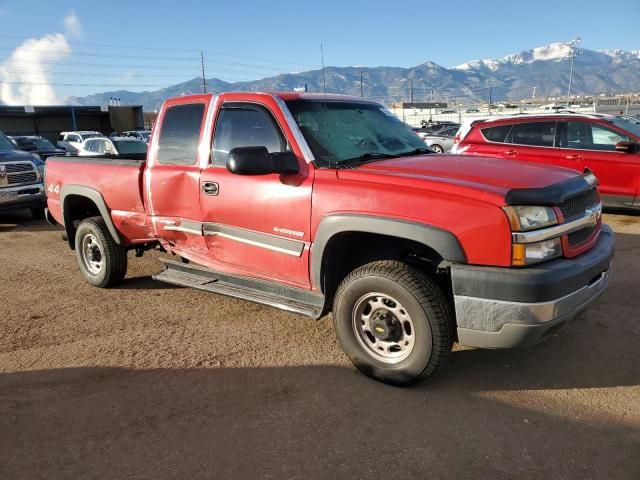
<point x="442" y="140"/>
<point x="71" y="142"/>
<point x="39" y="146"/>
<point x="138" y="134"/>
<point x="21" y="185"/>
<point x="433" y="126"/>
<point x="604" y="144"/>
<point x="411" y="251"/>
<point x="116" y="146"/>
<point x="472" y="110"/>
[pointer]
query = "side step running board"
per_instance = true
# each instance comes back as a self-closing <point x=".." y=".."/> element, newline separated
<point x="266" y="293"/>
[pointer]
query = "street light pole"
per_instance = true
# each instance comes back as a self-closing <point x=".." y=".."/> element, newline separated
<point x="573" y="53"/>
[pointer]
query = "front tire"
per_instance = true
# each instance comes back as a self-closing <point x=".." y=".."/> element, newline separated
<point x="393" y="322"/>
<point x="437" y="148"/>
<point x="102" y="261"/>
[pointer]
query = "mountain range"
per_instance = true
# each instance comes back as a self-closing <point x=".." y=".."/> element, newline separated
<point x="510" y="78"/>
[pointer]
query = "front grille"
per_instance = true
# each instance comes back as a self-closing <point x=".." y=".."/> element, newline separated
<point x="18" y="167"/>
<point x="17" y="178"/>
<point x="576" y="206"/>
<point x="20" y="172"/>
<point x="581" y="236"/>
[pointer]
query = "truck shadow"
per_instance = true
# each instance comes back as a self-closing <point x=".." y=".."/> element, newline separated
<point x="23" y="221"/>
<point x="291" y="422"/>
<point x="144" y="283"/>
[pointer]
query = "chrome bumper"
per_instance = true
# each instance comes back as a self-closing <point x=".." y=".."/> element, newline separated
<point x="515" y="324"/>
<point x="506" y="307"/>
<point x="23" y="196"/>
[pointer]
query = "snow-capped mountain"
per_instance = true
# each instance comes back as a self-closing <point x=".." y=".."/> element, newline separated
<point x="511" y="77"/>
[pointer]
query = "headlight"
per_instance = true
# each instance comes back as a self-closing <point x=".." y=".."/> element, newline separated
<point x="523" y="218"/>
<point x="528" y="253"/>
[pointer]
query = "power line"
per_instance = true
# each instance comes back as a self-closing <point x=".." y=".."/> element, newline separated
<point x="165" y="49"/>
<point x="83" y="84"/>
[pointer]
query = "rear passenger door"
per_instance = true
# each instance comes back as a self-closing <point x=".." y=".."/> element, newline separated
<point x="595" y="145"/>
<point x="536" y="142"/>
<point x="172" y="178"/>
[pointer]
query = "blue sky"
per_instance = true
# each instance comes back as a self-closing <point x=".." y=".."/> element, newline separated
<point x="159" y="41"/>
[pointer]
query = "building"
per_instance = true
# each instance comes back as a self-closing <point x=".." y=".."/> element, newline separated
<point x="49" y="121"/>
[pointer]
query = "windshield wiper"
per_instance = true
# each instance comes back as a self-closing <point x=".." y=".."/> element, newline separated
<point x="417" y="151"/>
<point x="364" y="158"/>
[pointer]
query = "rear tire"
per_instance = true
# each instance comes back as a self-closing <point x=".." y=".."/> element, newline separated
<point x="102" y="261"/>
<point x="393" y="322"/>
<point x="437" y="148"/>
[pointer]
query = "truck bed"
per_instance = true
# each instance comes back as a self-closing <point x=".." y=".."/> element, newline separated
<point x="117" y="180"/>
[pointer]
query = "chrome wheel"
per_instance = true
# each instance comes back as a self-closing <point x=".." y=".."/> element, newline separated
<point x="383" y="327"/>
<point x="91" y="254"/>
<point x="437" y="148"/>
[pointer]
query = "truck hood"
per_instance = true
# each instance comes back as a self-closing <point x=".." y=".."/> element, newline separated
<point x="484" y="178"/>
<point x="15" y="156"/>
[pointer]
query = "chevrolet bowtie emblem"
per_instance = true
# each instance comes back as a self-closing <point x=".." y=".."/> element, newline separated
<point x="594" y="216"/>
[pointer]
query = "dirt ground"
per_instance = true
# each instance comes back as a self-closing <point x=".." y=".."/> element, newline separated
<point x="153" y="381"/>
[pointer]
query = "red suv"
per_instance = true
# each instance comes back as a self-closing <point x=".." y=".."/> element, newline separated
<point x="605" y="144"/>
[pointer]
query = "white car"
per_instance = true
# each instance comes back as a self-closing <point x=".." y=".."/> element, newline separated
<point x="116" y="146"/>
<point x="72" y="141"/>
<point x="143" y="135"/>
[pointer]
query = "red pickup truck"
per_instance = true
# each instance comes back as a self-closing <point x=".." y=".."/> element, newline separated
<point x="324" y="203"/>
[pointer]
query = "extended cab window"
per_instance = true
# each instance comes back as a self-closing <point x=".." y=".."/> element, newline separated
<point x="496" y="134"/>
<point x="538" y="134"/>
<point x="245" y="126"/>
<point x="590" y="136"/>
<point x="179" y="134"/>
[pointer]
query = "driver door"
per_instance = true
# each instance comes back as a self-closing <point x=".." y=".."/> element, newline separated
<point x="256" y="225"/>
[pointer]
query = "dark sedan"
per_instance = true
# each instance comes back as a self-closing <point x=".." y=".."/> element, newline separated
<point x="38" y="145"/>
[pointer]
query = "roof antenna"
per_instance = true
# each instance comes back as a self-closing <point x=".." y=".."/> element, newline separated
<point x="324" y="79"/>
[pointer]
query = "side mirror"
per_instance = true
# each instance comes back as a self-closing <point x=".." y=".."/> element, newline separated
<point x="627" y="147"/>
<point x="258" y="161"/>
<point x="29" y="146"/>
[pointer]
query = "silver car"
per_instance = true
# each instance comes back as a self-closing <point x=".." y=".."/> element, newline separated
<point x="441" y="141"/>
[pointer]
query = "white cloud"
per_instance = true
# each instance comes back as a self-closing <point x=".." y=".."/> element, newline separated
<point x="25" y="77"/>
<point x="72" y="25"/>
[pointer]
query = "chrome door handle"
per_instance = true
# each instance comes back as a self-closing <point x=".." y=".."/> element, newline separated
<point x="210" y="188"/>
<point x="511" y="153"/>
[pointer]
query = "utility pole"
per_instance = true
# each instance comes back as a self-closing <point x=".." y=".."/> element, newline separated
<point x="573" y="52"/>
<point x="204" y="80"/>
<point x="411" y="91"/>
<point x="361" y="87"/>
<point x="533" y="95"/>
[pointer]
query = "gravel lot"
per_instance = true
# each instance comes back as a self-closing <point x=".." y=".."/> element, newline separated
<point x="152" y="381"/>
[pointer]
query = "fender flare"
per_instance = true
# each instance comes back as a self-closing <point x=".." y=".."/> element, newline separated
<point x="445" y="243"/>
<point x="96" y="197"/>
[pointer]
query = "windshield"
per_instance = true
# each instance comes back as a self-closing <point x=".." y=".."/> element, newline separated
<point x="125" y="147"/>
<point x="91" y="135"/>
<point x="145" y="135"/>
<point x="626" y="125"/>
<point x="41" y="143"/>
<point x="340" y="132"/>
<point x="5" y="143"/>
